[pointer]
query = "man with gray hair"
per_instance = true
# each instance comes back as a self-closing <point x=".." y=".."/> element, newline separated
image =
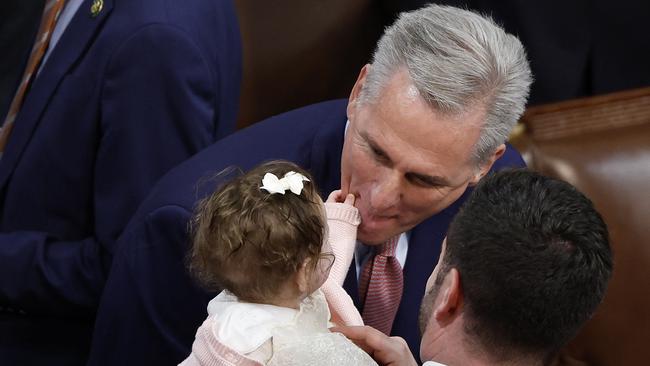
<point x="426" y="119"/>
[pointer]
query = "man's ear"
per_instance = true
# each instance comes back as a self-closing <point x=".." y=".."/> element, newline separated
<point x="485" y="168"/>
<point x="451" y="298"/>
<point x="356" y="91"/>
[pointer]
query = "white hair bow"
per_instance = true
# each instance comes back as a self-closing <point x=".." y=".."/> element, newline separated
<point x="292" y="181"/>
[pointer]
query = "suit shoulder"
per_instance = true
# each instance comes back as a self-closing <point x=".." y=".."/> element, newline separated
<point x="295" y="127"/>
<point x="331" y="111"/>
<point x="292" y="136"/>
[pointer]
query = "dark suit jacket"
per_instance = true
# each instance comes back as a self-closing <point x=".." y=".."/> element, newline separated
<point x="151" y="307"/>
<point x="123" y="97"/>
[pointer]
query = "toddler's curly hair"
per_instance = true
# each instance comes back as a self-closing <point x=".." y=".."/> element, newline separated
<point x="250" y="242"/>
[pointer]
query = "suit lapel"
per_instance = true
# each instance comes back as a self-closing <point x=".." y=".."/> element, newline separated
<point x="82" y="28"/>
<point x="424" y="249"/>
<point x="351" y="285"/>
<point x="423" y="252"/>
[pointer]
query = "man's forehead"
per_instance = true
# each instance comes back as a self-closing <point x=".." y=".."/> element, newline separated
<point x="412" y="163"/>
<point x="439" y="157"/>
<point x="400" y="105"/>
<point x="401" y="88"/>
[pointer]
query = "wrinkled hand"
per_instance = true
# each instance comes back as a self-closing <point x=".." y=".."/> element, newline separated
<point x="387" y="351"/>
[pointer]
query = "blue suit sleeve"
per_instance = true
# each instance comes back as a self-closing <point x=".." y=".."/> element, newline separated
<point x="150" y="308"/>
<point x="157" y="109"/>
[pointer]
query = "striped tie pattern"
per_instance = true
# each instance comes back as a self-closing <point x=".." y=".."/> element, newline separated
<point x="48" y="21"/>
<point x="380" y="287"/>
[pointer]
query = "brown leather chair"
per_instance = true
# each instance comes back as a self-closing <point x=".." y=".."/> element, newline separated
<point x="601" y="145"/>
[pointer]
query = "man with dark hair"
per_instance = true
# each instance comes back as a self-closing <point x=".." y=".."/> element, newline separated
<point x="525" y="264"/>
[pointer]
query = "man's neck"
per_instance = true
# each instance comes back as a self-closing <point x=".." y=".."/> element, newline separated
<point x="453" y="349"/>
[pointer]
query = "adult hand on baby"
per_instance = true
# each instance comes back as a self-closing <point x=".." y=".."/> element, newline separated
<point x="387" y="351"/>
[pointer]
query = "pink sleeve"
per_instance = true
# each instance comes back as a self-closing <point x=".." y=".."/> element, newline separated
<point x="342" y="220"/>
<point x="208" y="351"/>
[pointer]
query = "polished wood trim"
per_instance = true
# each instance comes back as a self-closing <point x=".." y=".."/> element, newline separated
<point x="585" y="115"/>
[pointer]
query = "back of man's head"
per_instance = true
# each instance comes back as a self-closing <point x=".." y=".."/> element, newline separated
<point x="534" y="261"/>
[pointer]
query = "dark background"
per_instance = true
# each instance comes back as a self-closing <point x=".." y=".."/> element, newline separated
<point x="298" y="52"/>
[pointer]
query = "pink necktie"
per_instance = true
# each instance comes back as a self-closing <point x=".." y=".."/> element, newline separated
<point x="380" y="287"/>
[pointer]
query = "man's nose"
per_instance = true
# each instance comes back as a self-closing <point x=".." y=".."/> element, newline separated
<point x="386" y="193"/>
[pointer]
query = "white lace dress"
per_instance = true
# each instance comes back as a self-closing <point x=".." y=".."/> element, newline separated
<point x="277" y="336"/>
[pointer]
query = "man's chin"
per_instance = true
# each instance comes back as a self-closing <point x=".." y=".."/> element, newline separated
<point x="372" y="237"/>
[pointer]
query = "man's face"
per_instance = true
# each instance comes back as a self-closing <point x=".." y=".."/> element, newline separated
<point x="403" y="160"/>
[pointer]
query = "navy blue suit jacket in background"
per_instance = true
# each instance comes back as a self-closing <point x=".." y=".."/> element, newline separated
<point x="124" y="96"/>
<point x="151" y="307"/>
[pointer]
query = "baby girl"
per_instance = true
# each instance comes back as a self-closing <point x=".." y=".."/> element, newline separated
<point x="263" y="238"/>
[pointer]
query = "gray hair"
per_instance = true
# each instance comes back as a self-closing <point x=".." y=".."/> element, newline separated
<point x="456" y="59"/>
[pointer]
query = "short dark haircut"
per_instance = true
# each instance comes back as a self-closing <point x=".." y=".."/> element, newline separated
<point x="534" y="261"/>
<point x="250" y="242"/>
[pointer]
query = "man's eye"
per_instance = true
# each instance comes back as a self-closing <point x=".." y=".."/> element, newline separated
<point x="423" y="182"/>
<point x="379" y="155"/>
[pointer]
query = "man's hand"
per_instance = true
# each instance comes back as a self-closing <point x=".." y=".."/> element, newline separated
<point x="387" y="351"/>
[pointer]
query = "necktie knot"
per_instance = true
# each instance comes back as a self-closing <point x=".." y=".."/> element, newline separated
<point x="388" y="248"/>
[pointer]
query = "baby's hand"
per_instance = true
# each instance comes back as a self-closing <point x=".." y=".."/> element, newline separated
<point x="336" y="197"/>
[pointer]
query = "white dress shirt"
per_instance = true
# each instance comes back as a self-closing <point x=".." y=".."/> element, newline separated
<point x="364" y="252"/>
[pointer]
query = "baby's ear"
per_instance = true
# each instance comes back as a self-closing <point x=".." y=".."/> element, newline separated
<point x="303" y="276"/>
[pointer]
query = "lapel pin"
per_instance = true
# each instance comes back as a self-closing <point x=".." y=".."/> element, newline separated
<point x="96" y="8"/>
